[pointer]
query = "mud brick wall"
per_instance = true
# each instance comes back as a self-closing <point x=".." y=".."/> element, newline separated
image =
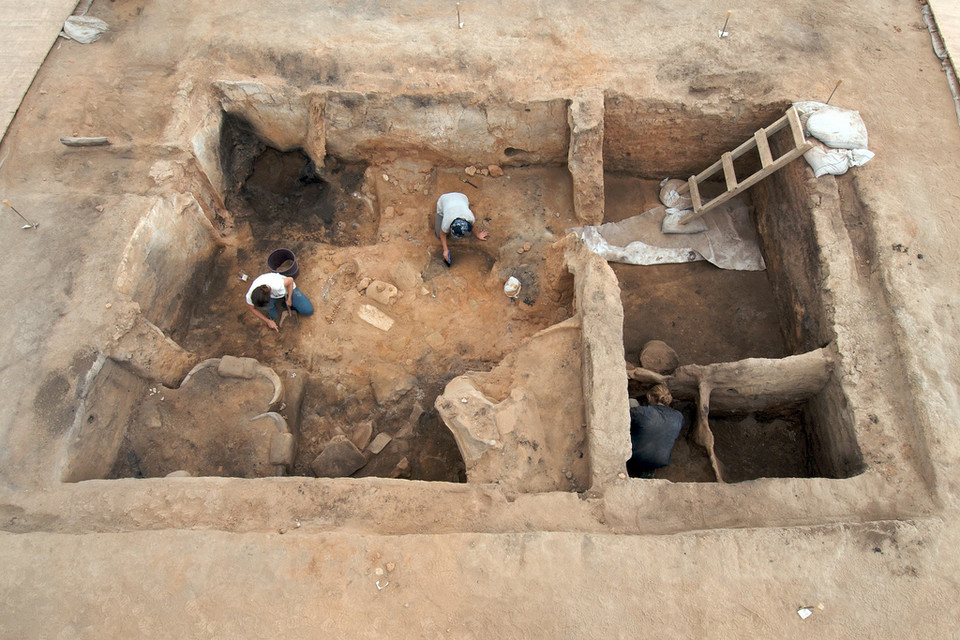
<point x="604" y="372"/>
<point x="460" y="128"/>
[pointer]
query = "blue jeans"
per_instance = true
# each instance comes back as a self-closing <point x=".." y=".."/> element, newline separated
<point x="298" y="302"/>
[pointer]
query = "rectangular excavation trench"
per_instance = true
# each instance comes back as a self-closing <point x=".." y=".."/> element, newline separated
<point x="711" y="315"/>
<point x="778" y="313"/>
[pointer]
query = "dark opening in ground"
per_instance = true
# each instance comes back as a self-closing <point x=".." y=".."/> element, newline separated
<point x="286" y="196"/>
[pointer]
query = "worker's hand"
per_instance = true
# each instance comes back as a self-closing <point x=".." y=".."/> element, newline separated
<point x="273" y="325"/>
<point x="446" y="255"/>
<point x="483" y="234"/>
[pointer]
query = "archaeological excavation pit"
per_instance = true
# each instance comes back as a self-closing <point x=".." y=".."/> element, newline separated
<point x="452" y="381"/>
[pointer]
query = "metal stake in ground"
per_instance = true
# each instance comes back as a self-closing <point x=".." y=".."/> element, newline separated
<point x="29" y="225"/>
<point x="834" y="91"/>
<point x="459" y="21"/>
<point x="723" y="32"/>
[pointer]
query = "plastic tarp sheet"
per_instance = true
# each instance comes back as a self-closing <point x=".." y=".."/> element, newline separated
<point x="730" y="241"/>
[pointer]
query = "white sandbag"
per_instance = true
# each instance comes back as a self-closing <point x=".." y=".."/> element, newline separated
<point x="670" y="197"/>
<point x="826" y="161"/>
<point x="835" y="127"/>
<point x="838" y="128"/>
<point x="806" y="109"/>
<point x="84" y="29"/>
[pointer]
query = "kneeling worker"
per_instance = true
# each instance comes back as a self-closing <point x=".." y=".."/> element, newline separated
<point x="653" y="430"/>
<point x="269" y="288"/>
<point x="454" y="217"/>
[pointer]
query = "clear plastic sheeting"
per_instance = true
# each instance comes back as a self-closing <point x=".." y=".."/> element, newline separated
<point x="730" y="241"/>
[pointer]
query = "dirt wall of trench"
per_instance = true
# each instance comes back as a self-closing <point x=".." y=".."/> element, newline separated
<point x="786" y="205"/>
<point x="783" y="206"/>
<point x="101" y="420"/>
<point x="656" y="139"/>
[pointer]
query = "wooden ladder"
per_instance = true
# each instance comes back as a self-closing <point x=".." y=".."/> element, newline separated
<point x="768" y="165"/>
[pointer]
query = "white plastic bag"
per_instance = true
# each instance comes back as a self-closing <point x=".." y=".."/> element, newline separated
<point x="84" y="29"/>
<point x="826" y="161"/>
<point x="669" y="196"/>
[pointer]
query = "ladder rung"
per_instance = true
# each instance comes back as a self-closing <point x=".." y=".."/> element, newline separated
<point x="728" y="172"/>
<point x="763" y="146"/>
<point x="794" y="118"/>
<point x="695" y="193"/>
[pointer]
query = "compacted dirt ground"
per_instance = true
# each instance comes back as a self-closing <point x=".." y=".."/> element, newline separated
<point x="225" y="557"/>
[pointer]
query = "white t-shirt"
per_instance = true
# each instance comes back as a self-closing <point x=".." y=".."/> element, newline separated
<point x="452" y="206"/>
<point x="274" y="281"/>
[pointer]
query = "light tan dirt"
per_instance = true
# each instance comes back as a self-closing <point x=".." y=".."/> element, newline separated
<point x="228" y="558"/>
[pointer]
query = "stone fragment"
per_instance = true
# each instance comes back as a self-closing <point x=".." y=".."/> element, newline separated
<point x="282" y="447"/>
<point x="381" y="441"/>
<point x="402" y="470"/>
<point x="382" y="292"/>
<point x="416" y="412"/>
<point x="658" y="356"/>
<point x="495" y="171"/>
<point x="406" y="276"/>
<point x="182" y="473"/>
<point x="390" y="382"/>
<point x="470" y="171"/>
<point x="434" y="339"/>
<point x="363" y="284"/>
<point x="392" y="565"/>
<point x="484" y="171"/>
<point x="339" y="459"/>
<point x="233" y="367"/>
<point x="374" y="316"/>
<point x="361" y="434"/>
<point x="388" y="212"/>
<point x="527" y="246"/>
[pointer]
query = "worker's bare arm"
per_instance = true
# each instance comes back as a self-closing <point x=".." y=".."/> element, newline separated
<point x="270" y="323"/>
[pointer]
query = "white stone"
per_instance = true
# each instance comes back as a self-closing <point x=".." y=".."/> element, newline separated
<point x="372" y="315"/>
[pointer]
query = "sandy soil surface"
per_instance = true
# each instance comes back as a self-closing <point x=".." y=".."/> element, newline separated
<point x="305" y="556"/>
